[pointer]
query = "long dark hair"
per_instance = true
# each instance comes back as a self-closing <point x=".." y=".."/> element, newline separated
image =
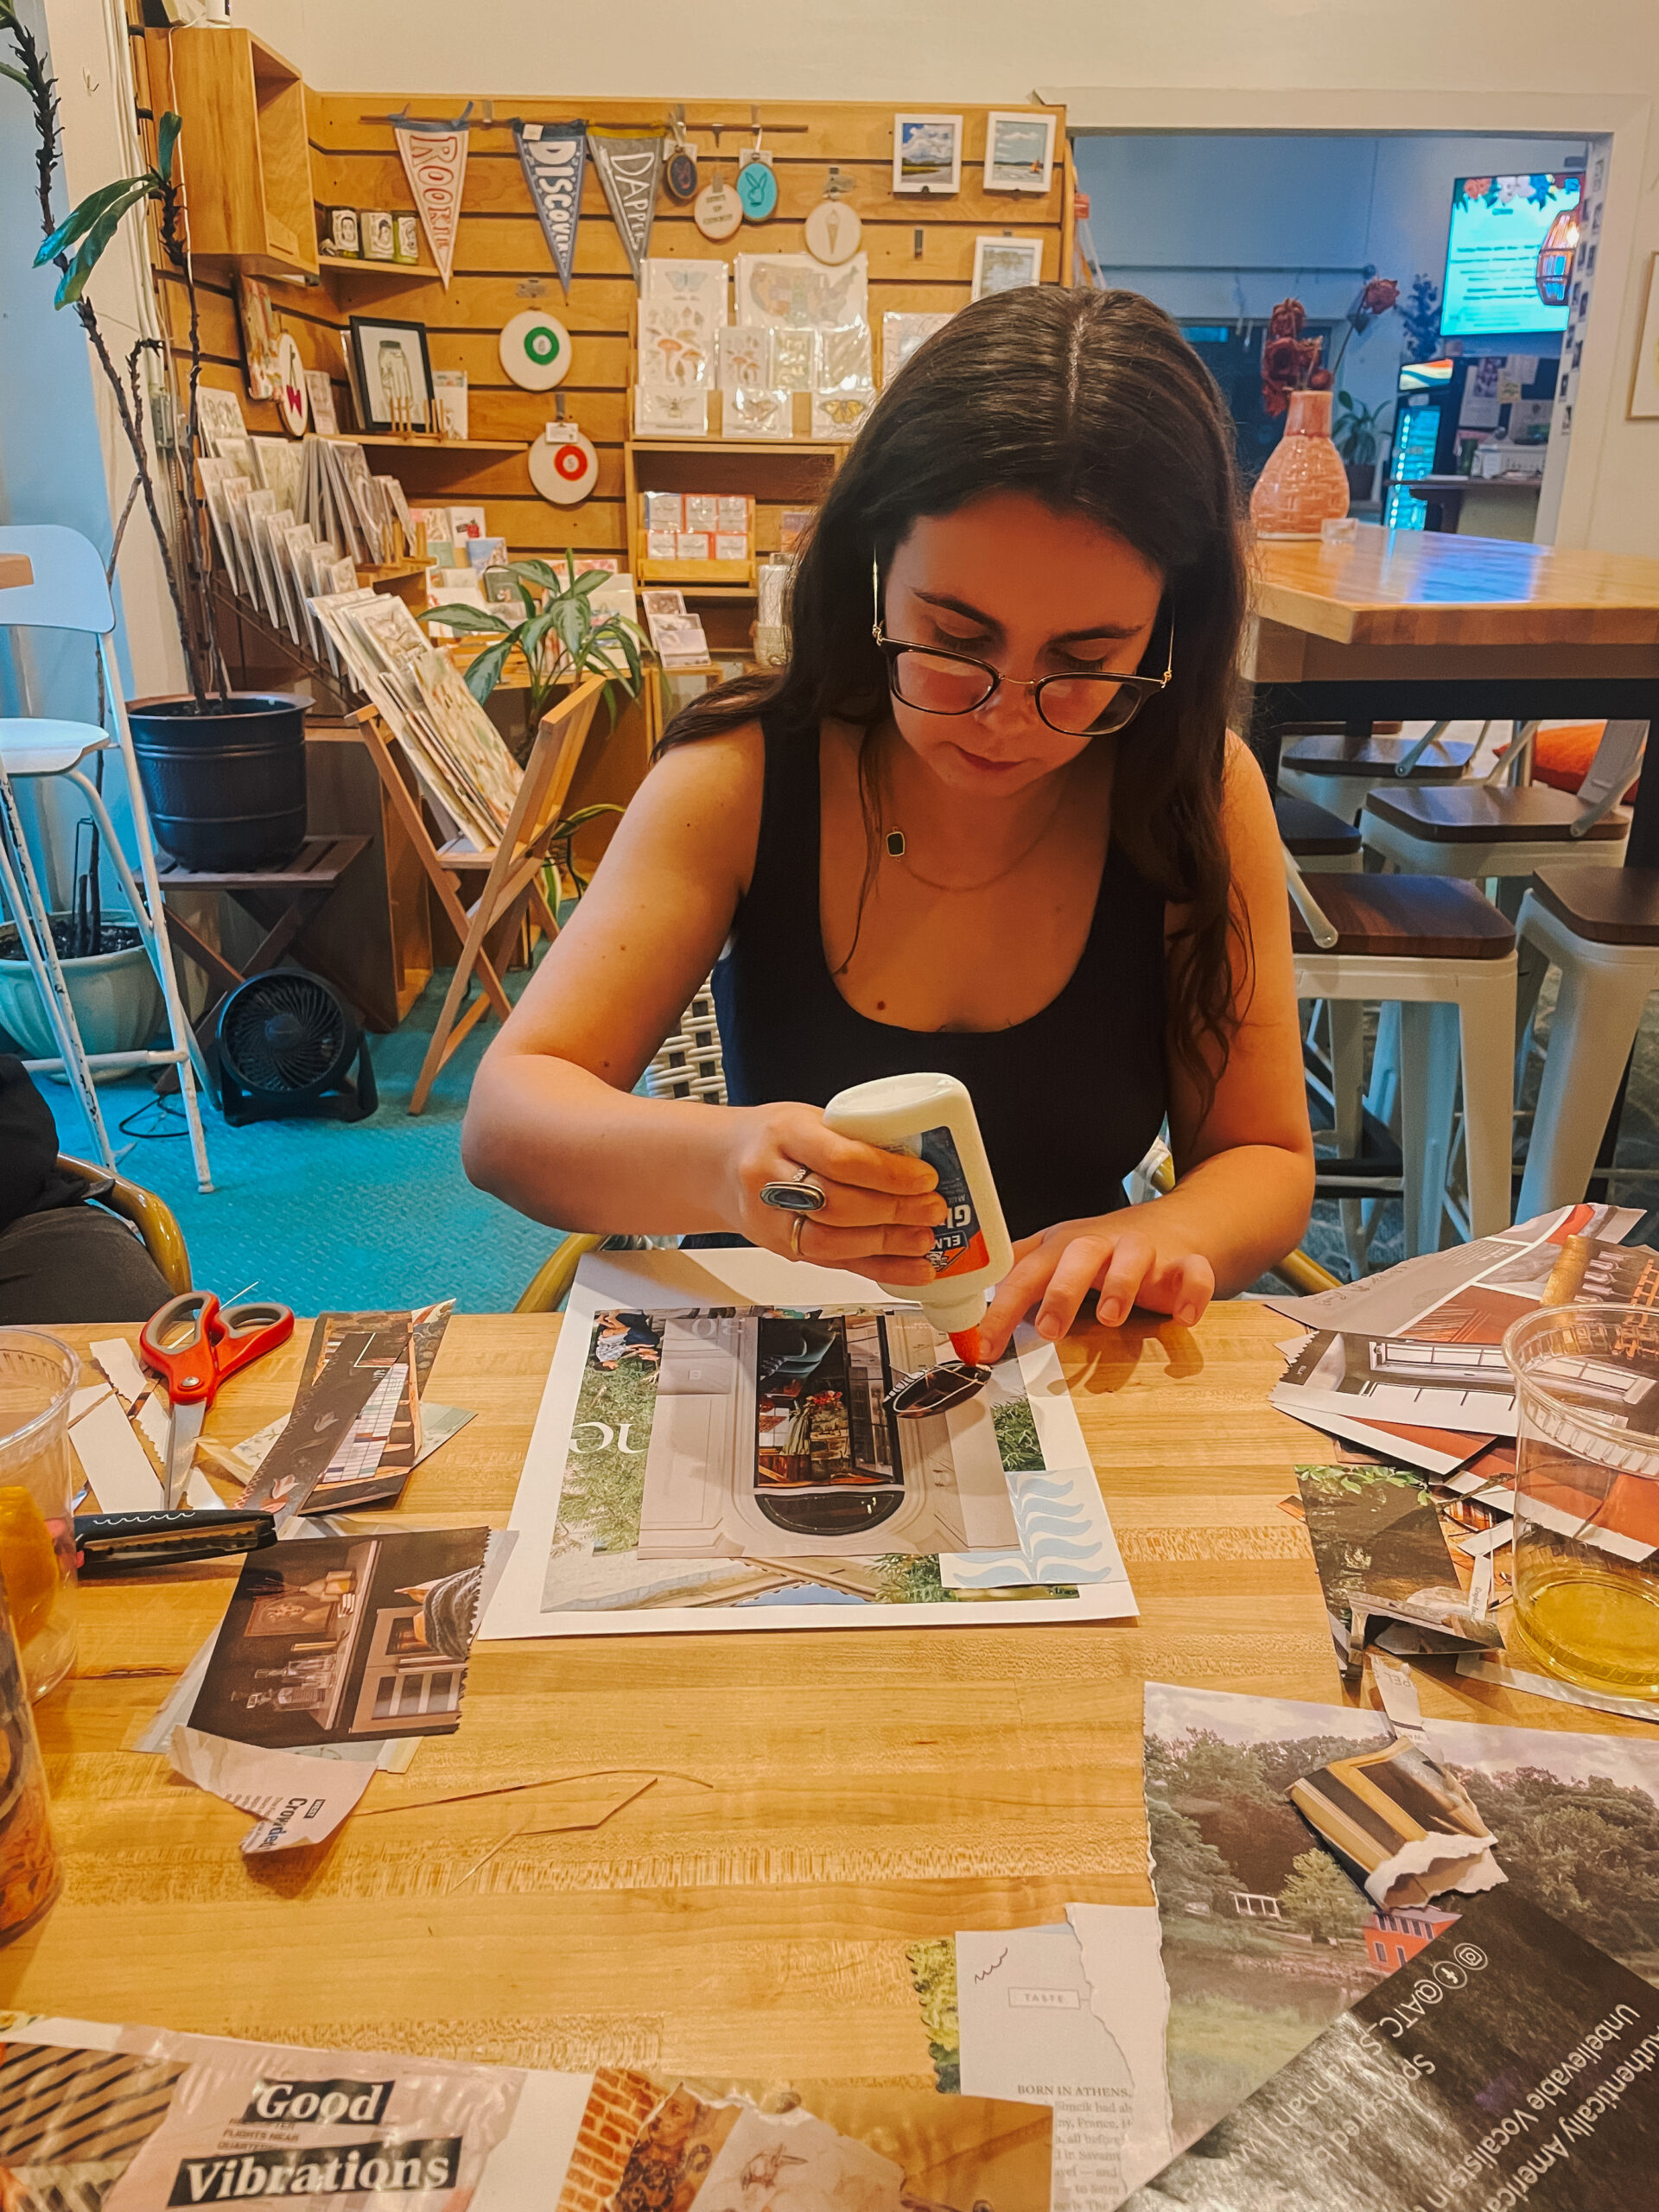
<point x="1093" y="402"/>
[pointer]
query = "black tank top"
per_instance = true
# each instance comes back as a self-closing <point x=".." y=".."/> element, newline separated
<point x="1068" y="1102"/>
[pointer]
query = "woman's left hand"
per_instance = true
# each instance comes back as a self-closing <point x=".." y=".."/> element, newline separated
<point x="1136" y="1257"/>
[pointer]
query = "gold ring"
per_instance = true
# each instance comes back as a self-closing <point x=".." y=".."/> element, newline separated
<point x="797" y="1224"/>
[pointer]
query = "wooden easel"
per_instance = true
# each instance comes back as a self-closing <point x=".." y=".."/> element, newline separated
<point x="512" y="873"/>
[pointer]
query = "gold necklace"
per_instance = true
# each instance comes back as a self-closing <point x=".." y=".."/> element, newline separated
<point x="898" y="851"/>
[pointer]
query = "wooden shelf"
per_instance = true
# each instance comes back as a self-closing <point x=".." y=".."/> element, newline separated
<point x="417" y="444"/>
<point x="715" y="591"/>
<point x="831" y="448"/>
<point x="348" y="264"/>
<point x="246" y="149"/>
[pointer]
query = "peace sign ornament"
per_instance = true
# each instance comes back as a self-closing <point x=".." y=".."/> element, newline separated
<point x="536" y="349"/>
<point x="563" y="466"/>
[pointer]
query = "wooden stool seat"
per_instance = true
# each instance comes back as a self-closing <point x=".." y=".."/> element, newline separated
<point x="1482" y="814"/>
<point x="1419" y="916"/>
<point x="284" y="901"/>
<point x="1605" y="905"/>
<point x="1311" y="832"/>
<point x="1445" y="761"/>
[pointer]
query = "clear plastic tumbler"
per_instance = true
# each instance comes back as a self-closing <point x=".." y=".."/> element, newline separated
<point x="37" y="1527"/>
<point x="1586" y="1495"/>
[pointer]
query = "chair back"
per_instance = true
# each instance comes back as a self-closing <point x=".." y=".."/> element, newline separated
<point x="70" y="591"/>
<point x="1618" y="760"/>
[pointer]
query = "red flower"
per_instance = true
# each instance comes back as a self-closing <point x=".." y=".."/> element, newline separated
<point x="1287" y="320"/>
<point x="1321" y="380"/>
<point x="1379" y="296"/>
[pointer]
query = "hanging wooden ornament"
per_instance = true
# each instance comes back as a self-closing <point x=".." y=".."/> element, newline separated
<point x="832" y="229"/>
<point x="680" y="174"/>
<point x="718" y="212"/>
<point x="535" y="349"/>
<point x="563" y="466"/>
<point x="293" y="401"/>
<point x="757" y="183"/>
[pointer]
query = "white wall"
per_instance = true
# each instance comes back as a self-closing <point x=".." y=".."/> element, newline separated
<point x="1219" y="227"/>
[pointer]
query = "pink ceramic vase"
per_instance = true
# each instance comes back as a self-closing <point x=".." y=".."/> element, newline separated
<point x="1304" y="483"/>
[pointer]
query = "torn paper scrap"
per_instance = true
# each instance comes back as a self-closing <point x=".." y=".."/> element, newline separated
<point x="298" y="1800"/>
<point x="1399" y="1822"/>
<point x="1122" y="1964"/>
<point x="1065" y="1537"/>
<point x="1493" y="1667"/>
<point x="125" y="1476"/>
<point x="1029" y="2030"/>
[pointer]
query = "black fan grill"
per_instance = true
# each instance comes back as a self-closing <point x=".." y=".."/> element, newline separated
<point x="286" y="1043"/>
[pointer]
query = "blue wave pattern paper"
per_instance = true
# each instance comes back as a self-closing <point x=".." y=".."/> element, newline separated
<point x="1064" y="1536"/>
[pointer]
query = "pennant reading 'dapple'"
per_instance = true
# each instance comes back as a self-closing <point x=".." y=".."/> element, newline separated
<point x="628" y="169"/>
<point x="553" y="160"/>
<point x="435" y="162"/>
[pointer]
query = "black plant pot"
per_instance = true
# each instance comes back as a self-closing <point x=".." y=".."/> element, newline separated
<point x="224" y="784"/>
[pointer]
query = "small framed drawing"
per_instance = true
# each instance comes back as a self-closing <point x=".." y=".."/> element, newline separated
<point x="1019" y="152"/>
<point x="1004" y="264"/>
<point x="927" y="153"/>
<point x="393" y="374"/>
<point x="1644" y="386"/>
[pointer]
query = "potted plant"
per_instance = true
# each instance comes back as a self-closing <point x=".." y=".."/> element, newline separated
<point x="1357" y="432"/>
<point x="560" y="640"/>
<point x="106" y="969"/>
<point x="223" y="770"/>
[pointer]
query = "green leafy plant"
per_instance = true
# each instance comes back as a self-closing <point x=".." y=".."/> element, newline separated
<point x="1358" y="431"/>
<point x="74" y="247"/>
<point x="558" y="635"/>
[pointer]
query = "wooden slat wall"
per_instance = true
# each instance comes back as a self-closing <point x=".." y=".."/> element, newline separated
<point x="502" y="264"/>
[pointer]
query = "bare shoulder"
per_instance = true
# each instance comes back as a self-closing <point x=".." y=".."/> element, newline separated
<point x="706" y="794"/>
<point x="1247" y="812"/>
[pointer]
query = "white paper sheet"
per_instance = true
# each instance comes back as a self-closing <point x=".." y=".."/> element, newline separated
<point x="1403" y="1451"/>
<point x="298" y="1800"/>
<point x="680" y="1282"/>
<point x="1488" y="1666"/>
<point x="122" y="1477"/>
<point x="1122" y="1959"/>
<point x="1030" y="2031"/>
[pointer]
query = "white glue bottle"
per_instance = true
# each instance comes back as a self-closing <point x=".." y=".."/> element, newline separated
<point x="932" y="1115"/>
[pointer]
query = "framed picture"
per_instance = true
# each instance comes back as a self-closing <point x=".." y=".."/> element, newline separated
<point x="393" y="374"/>
<point x="927" y="153"/>
<point x="1004" y="264"/>
<point x="1645" y="385"/>
<point x="1019" y="152"/>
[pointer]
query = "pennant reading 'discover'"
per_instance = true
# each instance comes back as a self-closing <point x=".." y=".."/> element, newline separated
<point x="1508" y="2064"/>
<point x="554" y="161"/>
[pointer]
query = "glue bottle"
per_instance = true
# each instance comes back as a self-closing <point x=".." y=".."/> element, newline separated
<point x="932" y="1115"/>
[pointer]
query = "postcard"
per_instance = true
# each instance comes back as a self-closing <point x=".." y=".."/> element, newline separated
<point x="345" y="1639"/>
<point x="1509" y="2069"/>
<point x="717" y="1449"/>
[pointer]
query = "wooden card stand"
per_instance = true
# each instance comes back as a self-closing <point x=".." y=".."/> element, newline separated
<point x="512" y="888"/>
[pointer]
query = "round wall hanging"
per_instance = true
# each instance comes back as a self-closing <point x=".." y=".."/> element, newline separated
<point x="757" y="186"/>
<point x="680" y="170"/>
<point x="293" y="401"/>
<point x="563" y="466"/>
<point x="833" y="231"/>
<point x="718" y="211"/>
<point x="536" y="349"/>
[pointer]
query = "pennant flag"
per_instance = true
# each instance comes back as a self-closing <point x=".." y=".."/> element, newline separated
<point x="628" y="169"/>
<point x="434" y="162"/>
<point x="553" y="159"/>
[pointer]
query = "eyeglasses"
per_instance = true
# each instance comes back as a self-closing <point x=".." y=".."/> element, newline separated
<point x="937" y="681"/>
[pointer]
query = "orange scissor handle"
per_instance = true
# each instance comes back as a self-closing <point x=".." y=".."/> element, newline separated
<point x="193" y="1344"/>
<point x="178" y="1343"/>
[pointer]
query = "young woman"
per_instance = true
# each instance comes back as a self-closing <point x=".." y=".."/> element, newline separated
<point x="990" y="821"/>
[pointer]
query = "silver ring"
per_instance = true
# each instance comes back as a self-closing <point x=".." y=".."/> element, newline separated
<point x="802" y="1194"/>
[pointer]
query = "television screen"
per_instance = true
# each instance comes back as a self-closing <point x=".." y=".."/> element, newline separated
<point x="1504" y="275"/>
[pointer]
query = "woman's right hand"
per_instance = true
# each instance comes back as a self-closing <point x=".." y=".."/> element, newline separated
<point x="881" y="1208"/>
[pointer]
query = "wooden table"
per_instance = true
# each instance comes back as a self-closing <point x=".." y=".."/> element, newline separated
<point x="1419" y="625"/>
<point x="820" y="1800"/>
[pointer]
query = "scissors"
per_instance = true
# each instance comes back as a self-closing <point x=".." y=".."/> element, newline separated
<point x="193" y="1344"/>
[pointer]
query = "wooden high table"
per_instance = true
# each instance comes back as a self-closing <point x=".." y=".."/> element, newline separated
<point x="1420" y="626"/>
<point x="816" y="1801"/>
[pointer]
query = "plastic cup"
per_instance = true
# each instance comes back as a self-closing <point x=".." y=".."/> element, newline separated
<point x="37" y="1524"/>
<point x="1586" y="1495"/>
<point x="29" y="1873"/>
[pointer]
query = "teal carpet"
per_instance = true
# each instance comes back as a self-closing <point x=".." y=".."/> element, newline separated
<point x="325" y="1214"/>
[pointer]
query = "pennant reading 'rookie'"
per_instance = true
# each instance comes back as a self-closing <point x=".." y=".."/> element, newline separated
<point x="436" y="164"/>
